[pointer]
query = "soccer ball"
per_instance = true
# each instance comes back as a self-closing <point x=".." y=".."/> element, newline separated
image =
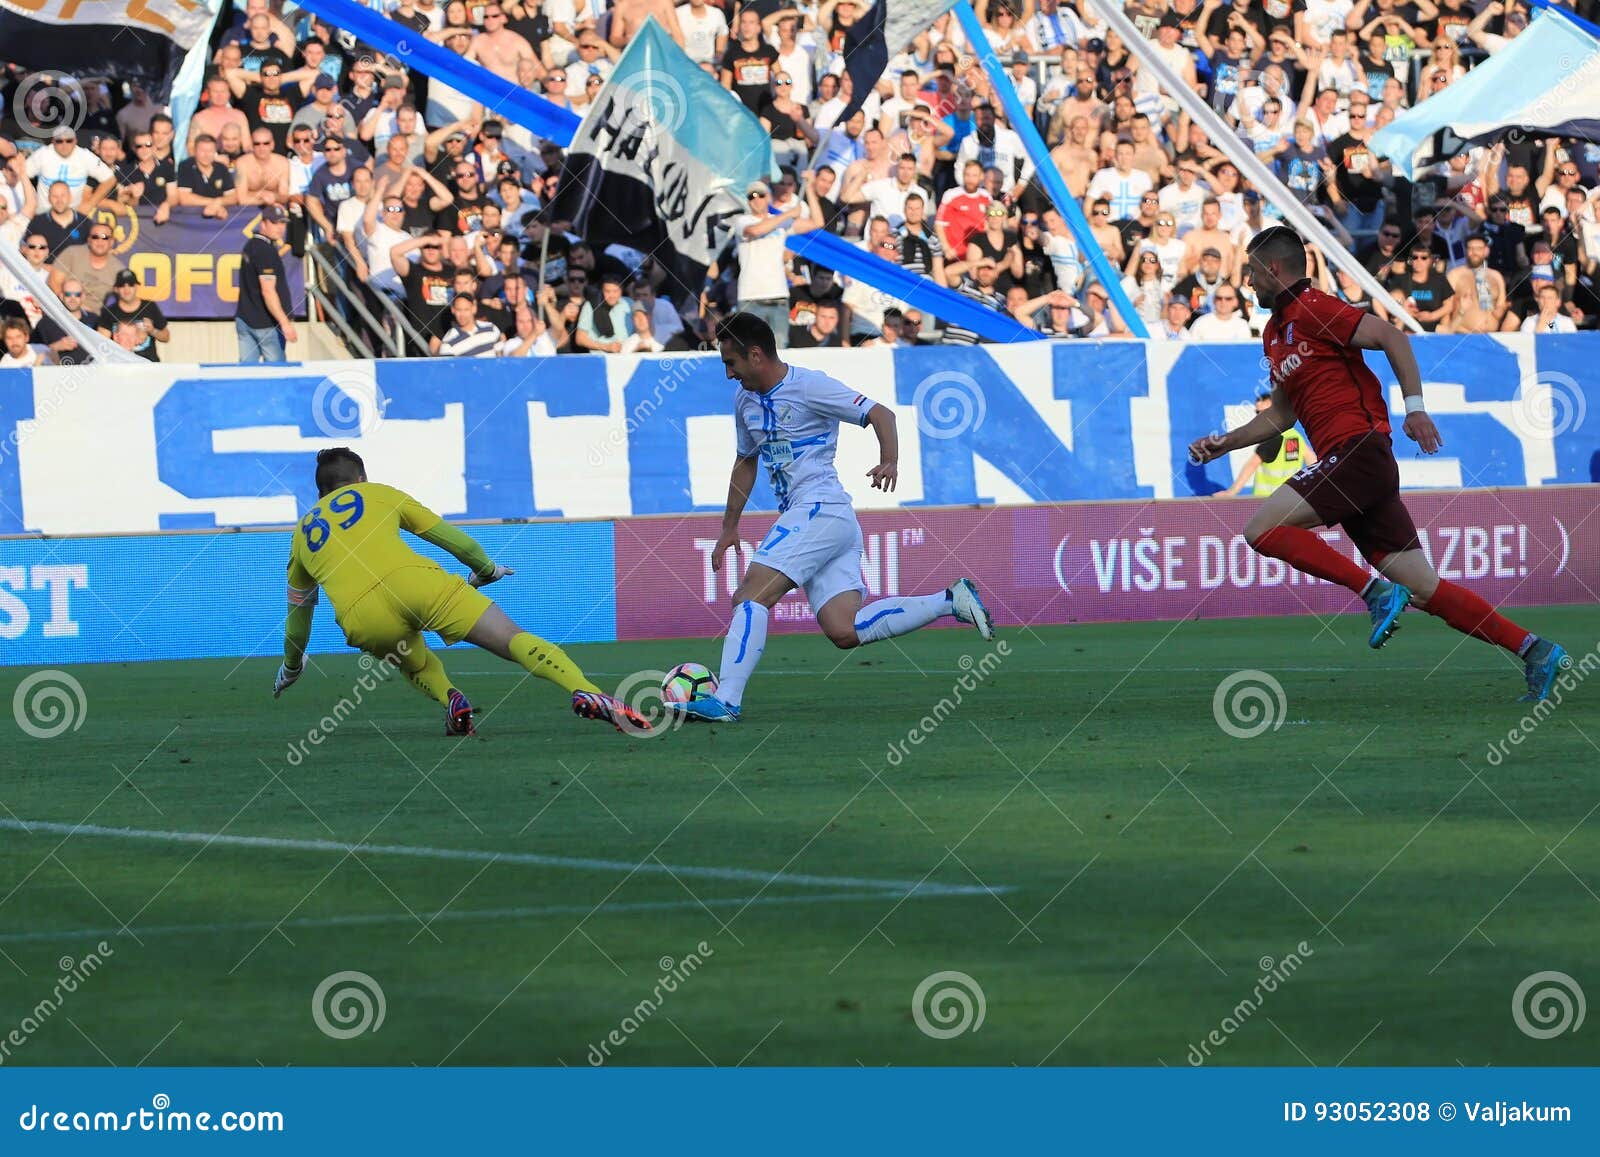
<point x="688" y="681"/>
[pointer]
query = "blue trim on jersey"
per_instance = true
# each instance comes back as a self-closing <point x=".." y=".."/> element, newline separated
<point x="815" y="510"/>
<point x="879" y="615"/>
<point x="746" y="636"/>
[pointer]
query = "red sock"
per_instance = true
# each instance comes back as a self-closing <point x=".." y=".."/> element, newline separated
<point x="1472" y="615"/>
<point x="1305" y="551"/>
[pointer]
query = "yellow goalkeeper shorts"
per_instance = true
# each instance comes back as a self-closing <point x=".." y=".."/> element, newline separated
<point x="412" y="599"/>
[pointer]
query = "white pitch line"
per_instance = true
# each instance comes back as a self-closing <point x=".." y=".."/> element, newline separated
<point x="509" y="672"/>
<point x="471" y="855"/>
<point x="465" y="915"/>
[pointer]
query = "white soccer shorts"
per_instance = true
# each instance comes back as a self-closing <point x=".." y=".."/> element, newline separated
<point x="819" y="546"/>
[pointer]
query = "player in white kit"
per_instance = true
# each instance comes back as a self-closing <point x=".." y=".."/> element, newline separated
<point x="787" y="419"/>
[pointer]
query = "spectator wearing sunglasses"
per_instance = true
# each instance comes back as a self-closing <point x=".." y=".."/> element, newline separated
<point x="51" y="335"/>
<point x="92" y="264"/>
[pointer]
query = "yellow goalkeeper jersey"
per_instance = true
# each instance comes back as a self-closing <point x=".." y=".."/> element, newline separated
<point x="350" y="540"/>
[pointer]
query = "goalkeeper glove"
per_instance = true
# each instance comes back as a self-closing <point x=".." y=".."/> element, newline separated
<point x="500" y="572"/>
<point x="286" y="677"/>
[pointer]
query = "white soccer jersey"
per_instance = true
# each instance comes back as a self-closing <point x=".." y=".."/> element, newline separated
<point x="794" y="427"/>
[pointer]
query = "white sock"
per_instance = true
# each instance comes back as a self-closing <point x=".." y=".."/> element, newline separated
<point x="741" y="651"/>
<point x="887" y="618"/>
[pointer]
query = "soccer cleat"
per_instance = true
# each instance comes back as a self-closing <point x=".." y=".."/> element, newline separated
<point x="609" y="709"/>
<point x="1385" y="603"/>
<point x="707" y="709"/>
<point x="458" y="715"/>
<point x="1543" y="662"/>
<point x="968" y="607"/>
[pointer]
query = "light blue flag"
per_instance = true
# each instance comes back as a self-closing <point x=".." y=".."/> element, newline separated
<point x="1546" y="80"/>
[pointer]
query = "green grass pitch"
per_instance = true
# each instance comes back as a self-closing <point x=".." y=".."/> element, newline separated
<point x="1110" y="868"/>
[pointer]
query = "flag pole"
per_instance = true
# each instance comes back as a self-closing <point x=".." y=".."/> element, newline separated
<point x="1045" y="170"/>
<point x="1237" y="150"/>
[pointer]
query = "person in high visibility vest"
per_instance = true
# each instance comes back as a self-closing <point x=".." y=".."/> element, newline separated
<point x="1274" y="461"/>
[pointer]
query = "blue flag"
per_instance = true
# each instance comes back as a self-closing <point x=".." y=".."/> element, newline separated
<point x="880" y="31"/>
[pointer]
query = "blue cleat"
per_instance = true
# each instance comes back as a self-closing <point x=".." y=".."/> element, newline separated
<point x="1543" y="662"/>
<point x="968" y="607"/>
<point x="1385" y="603"/>
<point x="707" y="709"/>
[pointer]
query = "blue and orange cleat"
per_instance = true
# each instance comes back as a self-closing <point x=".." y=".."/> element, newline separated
<point x="707" y="709"/>
<point x="1386" y="601"/>
<point x="605" y="708"/>
<point x="458" y="715"/>
<point x="1543" y="662"/>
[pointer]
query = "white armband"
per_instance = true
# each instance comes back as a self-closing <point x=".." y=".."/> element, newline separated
<point x="1414" y="404"/>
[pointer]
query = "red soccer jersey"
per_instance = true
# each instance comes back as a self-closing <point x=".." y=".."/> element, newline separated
<point x="961" y="213"/>
<point x="1311" y="358"/>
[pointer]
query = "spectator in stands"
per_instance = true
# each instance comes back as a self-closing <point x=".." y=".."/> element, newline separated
<point x="216" y="111"/>
<point x="1549" y="317"/>
<point x="145" y="180"/>
<point x="261" y="176"/>
<point x="64" y="161"/>
<point x="1146" y="287"/>
<point x="993" y="145"/>
<point x="15" y="350"/>
<point x="127" y="309"/>
<point x="1480" y="292"/>
<point x="469" y="336"/>
<point x="91" y="263"/>
<point x="203" y="183"/>
<point x="54" y="337"/>
<point x="979" y="287"/>
<point x="262" y="319"/>
<point x="1424" y="292"/>
<point x="1223" y="321"/>
<point x="1171" y="324"/>
<point x="62" y="226"/>
<point x="823" y="329"/>
<point x="604" y="327"/>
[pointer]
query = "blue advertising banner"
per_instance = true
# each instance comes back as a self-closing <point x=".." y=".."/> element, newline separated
<point x="190" y="264"/>
<point x="610" y="437"/>
<point x="187" y="596"/>
<point x="322" y="1110"/>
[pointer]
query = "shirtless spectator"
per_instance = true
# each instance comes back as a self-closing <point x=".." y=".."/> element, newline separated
<point x="1480" y="292"/>
<point x="217" y="111"/>
<point x="261" y="176"/>
<point x="501" y="50"/>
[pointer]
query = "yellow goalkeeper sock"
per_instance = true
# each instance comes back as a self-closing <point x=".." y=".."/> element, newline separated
<point x="548" y="661"/>
<point x="427" y="674"/>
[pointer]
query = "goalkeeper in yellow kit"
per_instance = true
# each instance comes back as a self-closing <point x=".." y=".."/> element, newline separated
<point x="385" y="595"/>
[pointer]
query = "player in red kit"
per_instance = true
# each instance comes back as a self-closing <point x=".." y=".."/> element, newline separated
<point x="1313" y="345"/>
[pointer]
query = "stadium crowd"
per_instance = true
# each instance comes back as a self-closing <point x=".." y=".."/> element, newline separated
<point x="408" y="190"/>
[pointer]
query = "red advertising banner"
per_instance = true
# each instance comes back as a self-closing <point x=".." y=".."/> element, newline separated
<point x="1116" y="561"/>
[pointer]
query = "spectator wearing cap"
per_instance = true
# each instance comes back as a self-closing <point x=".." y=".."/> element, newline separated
<point x="379" y="123"/>
<point x="324" y="99"/>
<point x="1172" y="322"/>
<point x="1202" y="283"/>
<point x="217" y="111"/>
<point x="50" y="334"/>
<point x="75" y="167"/>
<point x="446" y="104"/>
<point x="469" y="336"/>
<point x="761" y="235"/>
<point x="262" y="320"/>
<point x="1021" y="65"/>
<point x="127" y="309"/>
<point x="978" y="287"/>
<point x="203" y="183"/>
<point x="1549" y="315"/>
<point x="604" y="327"/>
<point x="92" y="263"/>
<point x="1223" y="321"/>
<point x="665" y="323"/>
